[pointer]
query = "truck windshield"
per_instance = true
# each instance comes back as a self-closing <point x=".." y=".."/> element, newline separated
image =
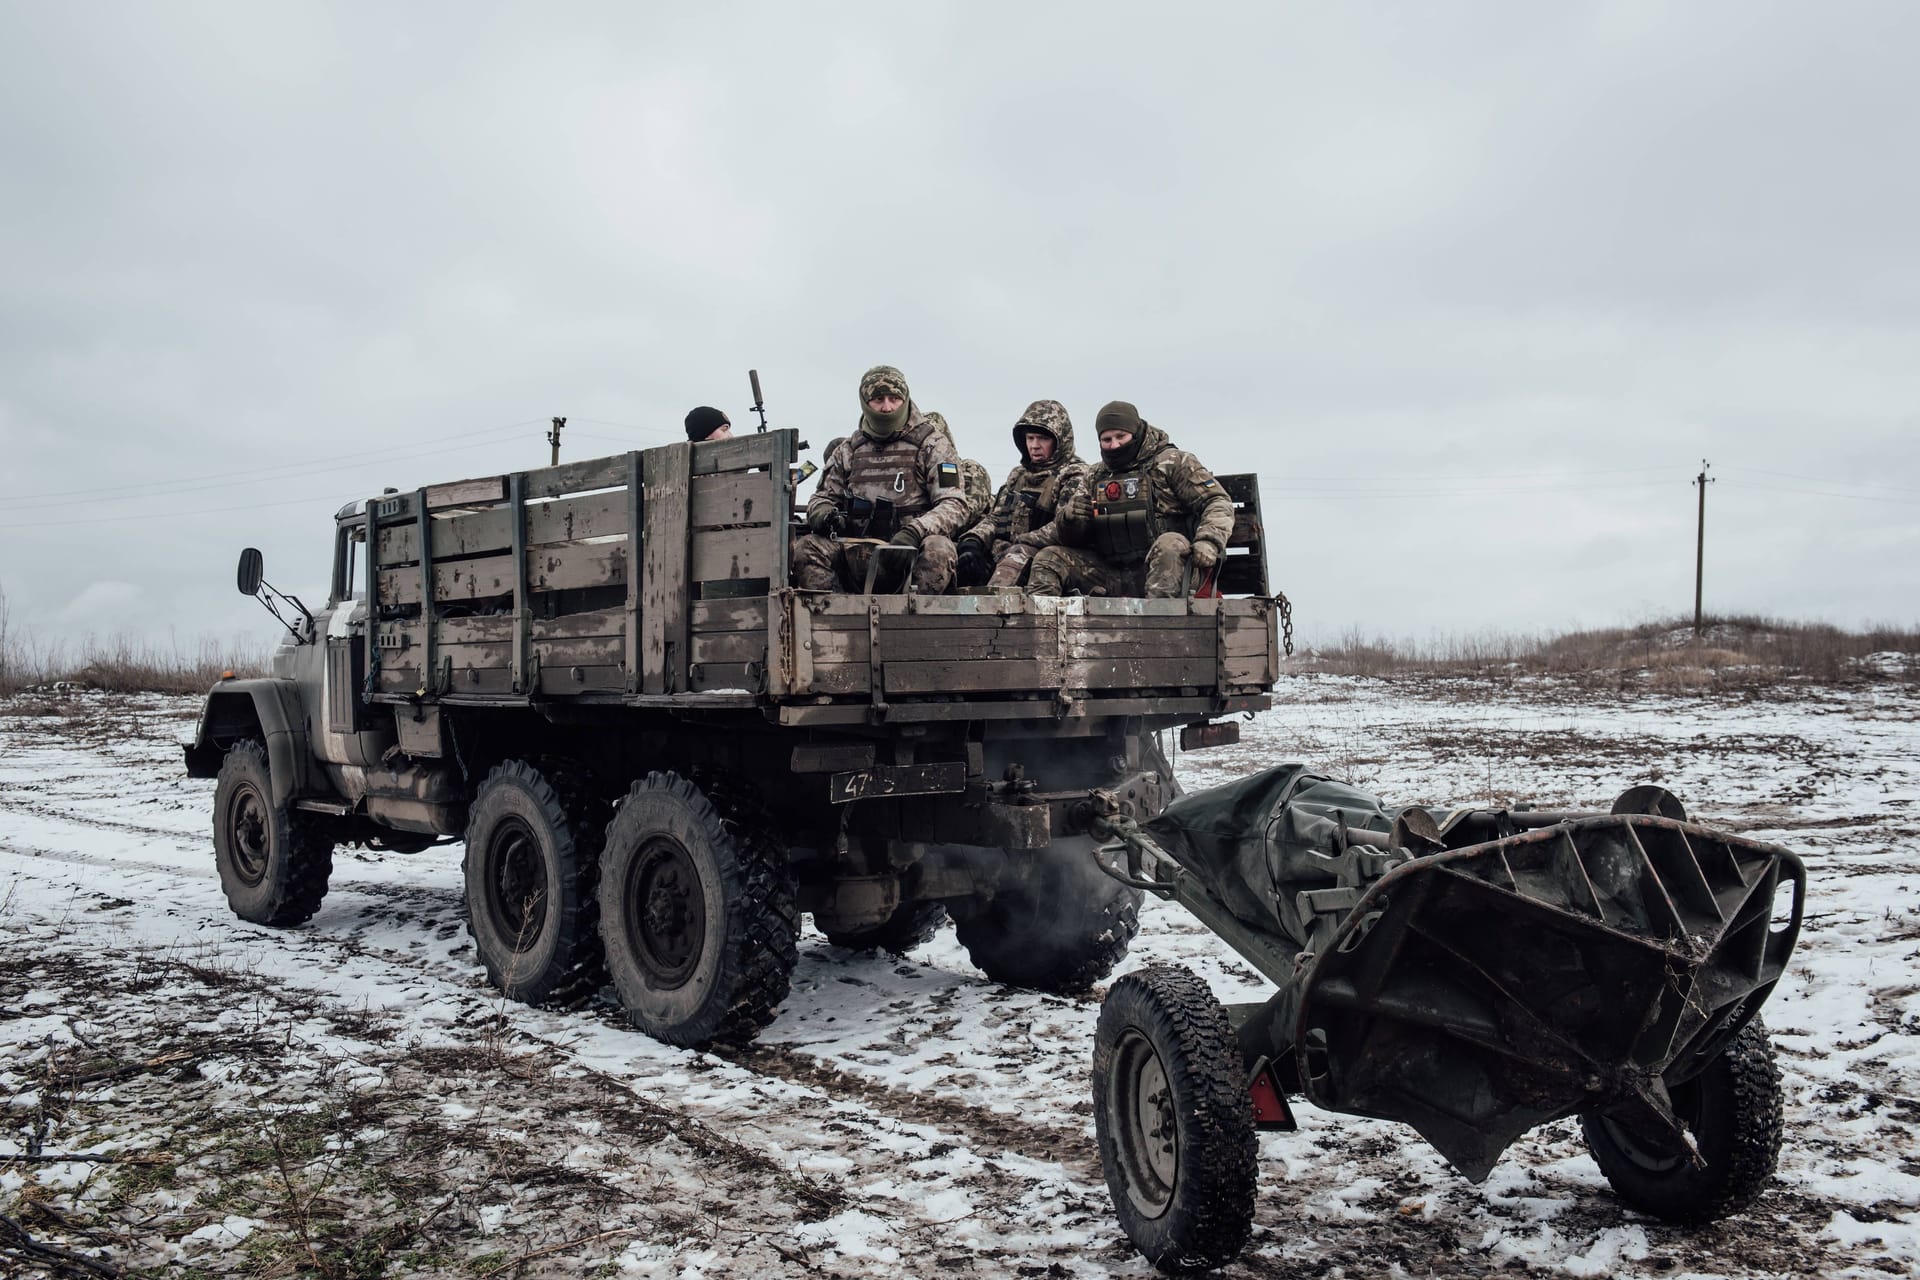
<point x="347" y="582"/>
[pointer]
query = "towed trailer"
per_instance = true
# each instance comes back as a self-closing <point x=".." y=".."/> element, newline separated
<point x="1473" y="973"/>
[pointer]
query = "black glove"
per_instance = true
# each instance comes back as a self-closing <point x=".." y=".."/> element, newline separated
<point x="975" y="563"/>
<point x="905" y="538"/>
<point x="830" y="522"/>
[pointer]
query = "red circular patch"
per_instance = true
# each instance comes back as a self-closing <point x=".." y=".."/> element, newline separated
<point x="1113" y="488"/>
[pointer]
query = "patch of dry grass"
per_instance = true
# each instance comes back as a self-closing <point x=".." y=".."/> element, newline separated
<point x="1730" y="652"/>
<point x="125" y="664"/>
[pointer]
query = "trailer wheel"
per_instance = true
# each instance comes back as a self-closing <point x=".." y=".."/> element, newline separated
<point x="912" y="924"/>
<point x="697" y="912"/>
<point x="273" y="861"/>
<point x="1060" y="924"/>
<point x="1174" y="1122"/>
<point x="533" y="849"/>
<point x="1732" y="1109"/>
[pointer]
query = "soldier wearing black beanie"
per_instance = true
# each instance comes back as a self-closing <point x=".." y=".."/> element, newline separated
<point x="708" y="423"/>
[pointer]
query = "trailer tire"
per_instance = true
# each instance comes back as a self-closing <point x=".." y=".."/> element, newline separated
<point x="273" y="861"/>
<point x="1060" y="924"/>
<point x="532" y="860"/>
<point x="1733" y="1110"/>
<point x="912" y="924"/>
<point x="1174" y="1122"/>
<point x="697" y="913"/>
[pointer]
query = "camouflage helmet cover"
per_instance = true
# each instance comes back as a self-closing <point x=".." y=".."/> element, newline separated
<point x="1051" y="417"/>
<point x="883" y="377"/>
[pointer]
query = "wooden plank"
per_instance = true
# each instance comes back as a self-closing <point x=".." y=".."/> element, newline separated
<point x="703" y="677"/>
<point x="573" y="477"/>
<point x="729" y="615"/>
<point x="462" y="493"/>
<point x="841" y="677"/>
<point x="734" y="553"/>
<point x="1141" y="673"/>
<point x="555" y="568"/>
<point x="947" y="677"/>
<point x="582" y="626"/>
<point x="581" y="651"/>
<point x="522" y="604"/>
<point x="736" y="498"/>
<point x="475" y="533"/>
<point x="560" y="681"/>
<point x="965" y="645"/>
<point x="839" y="646"/>
<point x="630" y="616"/>
<point x="728" y="646"/>
<point x="710" y="457"/>
<point x="483" y="630"/>
<point x="663" y="608"/>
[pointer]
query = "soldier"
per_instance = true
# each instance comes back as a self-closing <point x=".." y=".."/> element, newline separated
<point x="1145" y="511"/>
<point x="974" y="479"/>
<point x="999" y="547"/>
<point x="897" y="477"/>
<point x="708" y="423"/>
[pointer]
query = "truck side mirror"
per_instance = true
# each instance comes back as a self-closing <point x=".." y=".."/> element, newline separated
<point x="251" y="567"/>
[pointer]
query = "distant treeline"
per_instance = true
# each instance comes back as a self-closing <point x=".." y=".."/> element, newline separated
<point x="1728" y="651"/>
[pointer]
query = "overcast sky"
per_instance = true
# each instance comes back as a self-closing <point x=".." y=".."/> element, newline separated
<point x="1474" y="288"/>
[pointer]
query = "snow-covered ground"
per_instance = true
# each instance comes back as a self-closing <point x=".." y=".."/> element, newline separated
<point x="350" y="1098"/>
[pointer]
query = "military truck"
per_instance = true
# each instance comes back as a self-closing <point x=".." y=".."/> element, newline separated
<point x="659" y="754"/>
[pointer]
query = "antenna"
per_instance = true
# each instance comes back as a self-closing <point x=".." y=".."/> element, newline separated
<point x="759" y="407"/>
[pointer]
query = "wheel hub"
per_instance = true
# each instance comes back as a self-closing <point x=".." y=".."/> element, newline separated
<point x="518" y="877"/>
<point x="248" y="838"/>
<point x="1146" y="1125"/>
<point x="666" y="912"/>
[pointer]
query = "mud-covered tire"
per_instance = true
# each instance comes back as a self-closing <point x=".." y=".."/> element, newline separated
<point x="1060" y="924"/>
<point x="273" y="861"/>
<point x="912" y="924"/>
<point x="1733" y="1110"/>
<point x="531" y="867"/>
<point x="1174" y="1122"/>
<point x="697" y="913"/>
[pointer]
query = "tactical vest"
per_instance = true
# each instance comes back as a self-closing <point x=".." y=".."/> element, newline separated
<point x="1032" y="508"/>
<point x="882" y="486"/>
<point x="1125" y="522"/>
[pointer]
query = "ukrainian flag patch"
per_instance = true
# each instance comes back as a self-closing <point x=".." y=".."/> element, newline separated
<point x="949" y="475"/>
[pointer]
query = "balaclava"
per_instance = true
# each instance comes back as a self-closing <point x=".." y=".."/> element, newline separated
<point x="884" y="377"/>
<point x="1118" y="415"/>
<point x="1049" y="416"/>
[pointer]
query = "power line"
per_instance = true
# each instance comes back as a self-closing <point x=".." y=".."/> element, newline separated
<point x="1788" y="475"/>
<point x="1825" y="493"/>
<point x="485" y="434"/>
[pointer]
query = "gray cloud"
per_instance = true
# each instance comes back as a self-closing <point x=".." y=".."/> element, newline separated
<point x="1473" y="288"/>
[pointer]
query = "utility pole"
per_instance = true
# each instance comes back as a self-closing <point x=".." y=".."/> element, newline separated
<point x="553" y="438"/>
<point x="1700" y="547"/>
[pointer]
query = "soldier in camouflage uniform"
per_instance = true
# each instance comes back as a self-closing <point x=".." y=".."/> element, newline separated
<point x="1145" y="512"/>
<point x="998" y="549"/>
<point x="896" y="477"/>
<point x="973" y="478"/>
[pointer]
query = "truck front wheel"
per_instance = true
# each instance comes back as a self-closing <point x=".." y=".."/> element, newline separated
<point x="697" y="914"/>
<point x="273" y="861"/>
<point x="533" y="850"/>
<point x="1055" y="923"/>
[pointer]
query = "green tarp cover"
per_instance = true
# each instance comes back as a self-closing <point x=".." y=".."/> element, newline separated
<point x="1257" y="842"/>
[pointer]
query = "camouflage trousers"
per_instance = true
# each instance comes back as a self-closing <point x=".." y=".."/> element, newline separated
<point x="834" y="564"/>
<point x="1057" y="571"/>
<point x="1010" y="564"/>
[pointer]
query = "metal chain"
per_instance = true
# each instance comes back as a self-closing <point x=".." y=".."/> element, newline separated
<point x="1286" y="619"/>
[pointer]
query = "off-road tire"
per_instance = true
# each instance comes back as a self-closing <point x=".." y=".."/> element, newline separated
<point x="697" y="913"/>
<point x="532" y="864"/>
<point x="1166" y="1064"/>
<point x="273" y="861"/>
<point x="1733" y="1110"/>
<point x="912" y="924"/>
<point x="1060" y="924"/>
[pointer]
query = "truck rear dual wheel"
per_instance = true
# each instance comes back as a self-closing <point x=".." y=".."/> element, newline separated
<point x="912" y="924"/>
<point x="1733" y="1111"/>
<point x="1174" y="1121"/>
<point x="273" y="861"/>
<point x="1057" y="924"/>
<point x="532" y="863"/>
<point x="697" y="913"/>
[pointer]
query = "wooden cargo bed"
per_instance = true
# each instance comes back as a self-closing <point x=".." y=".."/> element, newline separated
<point x="508" y="589"/>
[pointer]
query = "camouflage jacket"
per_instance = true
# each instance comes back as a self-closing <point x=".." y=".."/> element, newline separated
<point x="917" y="471"/>
<point x="974" y="479"/>
<point x="1166" y="490"/>
<point x="1024" y="510"/>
